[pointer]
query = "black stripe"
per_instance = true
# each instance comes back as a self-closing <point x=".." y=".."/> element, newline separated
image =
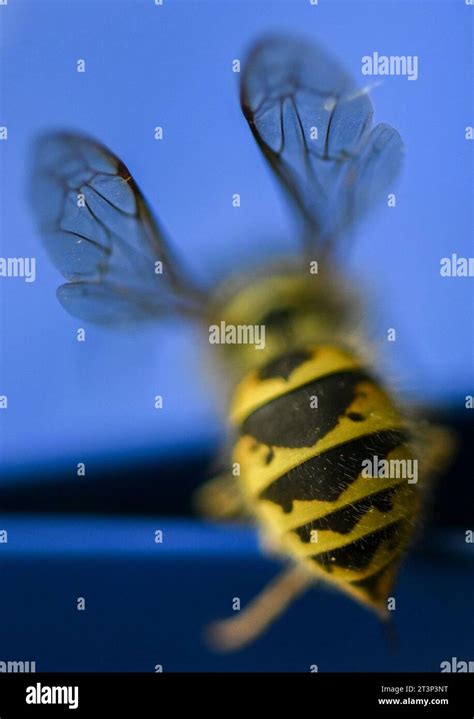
<point x="344" y="520"/>
<point x="357" y="555"/>
<point x="326" y="476"/>
<point x="284" y="365"/>
<point x="290" y="420"/>
<point x="371" y="584"/>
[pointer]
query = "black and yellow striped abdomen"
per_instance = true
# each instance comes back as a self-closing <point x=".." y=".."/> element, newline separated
<point x="309" y="422"/>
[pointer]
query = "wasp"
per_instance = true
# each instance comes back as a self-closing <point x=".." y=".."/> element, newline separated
<point x="308" y="411"/>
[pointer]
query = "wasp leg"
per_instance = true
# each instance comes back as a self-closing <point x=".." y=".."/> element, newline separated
<point x="220" y="498"/>
<point x="231" y="634"/>
<point x="441" y="444"/>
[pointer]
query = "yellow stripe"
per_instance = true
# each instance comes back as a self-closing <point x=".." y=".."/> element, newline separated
<point x="305" y="511"/>
<point x="370" y="522"/>
<point x="380" y="415"/>
<point x="382" y="557"/>
<point x="359" y="593"/>
<point x="254" y="392"/>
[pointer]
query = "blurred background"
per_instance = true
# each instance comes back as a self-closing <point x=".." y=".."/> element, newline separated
<point x="171" y="66"/>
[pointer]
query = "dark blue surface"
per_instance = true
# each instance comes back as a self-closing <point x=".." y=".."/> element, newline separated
<point x="147" y="603"/>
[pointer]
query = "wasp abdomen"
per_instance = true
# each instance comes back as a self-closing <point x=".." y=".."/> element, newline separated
<point x="323" y="453"/>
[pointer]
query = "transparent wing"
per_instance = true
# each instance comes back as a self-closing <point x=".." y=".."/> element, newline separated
<point x="314" y="127"/>
<point x="101" y="235"/>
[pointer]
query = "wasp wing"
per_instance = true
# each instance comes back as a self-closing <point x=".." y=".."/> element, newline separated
<point x="101" y="235"/>
<point x="314" y="127"/>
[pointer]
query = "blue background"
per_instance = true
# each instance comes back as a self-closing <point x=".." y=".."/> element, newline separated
<point x="170" y="65"/>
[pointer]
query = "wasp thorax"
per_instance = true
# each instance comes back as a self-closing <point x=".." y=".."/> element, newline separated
<point x="290" y="307"/>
